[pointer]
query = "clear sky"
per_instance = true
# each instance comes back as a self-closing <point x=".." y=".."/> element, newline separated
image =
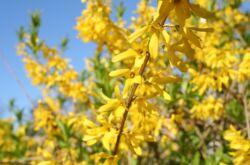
<point x="58" y="20"/>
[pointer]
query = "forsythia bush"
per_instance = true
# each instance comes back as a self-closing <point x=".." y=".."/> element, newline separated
<point x="171" y="86"/>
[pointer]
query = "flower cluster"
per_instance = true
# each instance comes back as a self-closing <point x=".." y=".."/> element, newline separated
<point x="239" y="144"/>
<point x="127" y="121"/>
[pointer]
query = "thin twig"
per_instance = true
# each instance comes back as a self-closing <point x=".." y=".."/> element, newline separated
<point x="246" y="115"/>
<point x="243" y="101"/>
<point x="171" y="26"/>
<point x="235" y="95"/>
<point x="14" y="75"/>
<point x="24" y="161"/>
<point x="129" y="102"/>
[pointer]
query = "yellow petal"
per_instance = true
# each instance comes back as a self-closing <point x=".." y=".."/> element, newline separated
<point x="130" y="53"/>
<point x="138" y="62"/>
<point x="159" y="6"/>
<point x="119" y="112"/>
<point x="117" y="91"/>
<point x="165" y="36"/>
<point x="91" y="142"/>
<point x="166" y="96"/>
<point x="177" y="61"/>
<point x="46" y="163"/>
<point x="166" y="79"/>
<point x="103" y="96"/>
<point x="154" y="45"/>
<point x="201" y="12"/>
<point x="137" y="79"/>
<point x="163" y="10"/>
<point x="88" y="137"/>
<point x="128" y="84"/>
<point x="111" y="105"/>
<point x="137" y="34"/>
<point x="186" y="49"/>
<point x="189" y="51"/>
<point x="119" y="72"/>
<point x="88" y="123"/>
<point x="135" y="149"/>
<point x="113" y="160"/>
<point x="193" y="38"/>
<point x="182" y="12"/>
<point x="106" y="140"/>
<point x="138" y="150"/>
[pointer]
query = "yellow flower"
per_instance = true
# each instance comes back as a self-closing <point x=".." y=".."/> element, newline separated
<point x="74" y="90"/>
<point x="182" y="9"/>
<point x="57" y="62"/>
<point x="239" y="145"/>
<point x="95" y="25"/>
<point x="244" y="70"/>
<point x="114" y="107"/>
<point x="43" y="117"/>
<point x="209" y="108"/>
<point x="156" y="32"/>
<point x="128" y="54"/>
<point x="36" y="71"/>
<point x="105" y="133"/>
<point x="175" y="60"/>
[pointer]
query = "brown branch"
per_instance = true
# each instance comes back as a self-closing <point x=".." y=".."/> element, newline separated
<point x="129" y="102"/>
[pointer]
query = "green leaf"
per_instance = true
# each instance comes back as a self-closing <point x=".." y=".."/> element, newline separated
<point x="120" y="10"/>
<point x="62" y="127"/>
<point x="35" y="20"/>
<point x="64" y="43"/>
<point x="235" y="111"/>
<point x="20" y="34"/>
<point x="196" y="159"/>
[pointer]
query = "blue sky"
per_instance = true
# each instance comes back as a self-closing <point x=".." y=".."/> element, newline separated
<point x="58" y="20"/>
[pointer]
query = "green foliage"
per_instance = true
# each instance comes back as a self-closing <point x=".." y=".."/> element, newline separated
<point x="235" y="111"/>
<point x="120" y="10"/>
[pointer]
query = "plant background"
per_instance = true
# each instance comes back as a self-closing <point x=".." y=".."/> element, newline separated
<point x="58" y="20"/>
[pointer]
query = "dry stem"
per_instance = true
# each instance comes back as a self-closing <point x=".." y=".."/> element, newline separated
<point x="14" y="75"/>
<point x="129" y="102"/>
